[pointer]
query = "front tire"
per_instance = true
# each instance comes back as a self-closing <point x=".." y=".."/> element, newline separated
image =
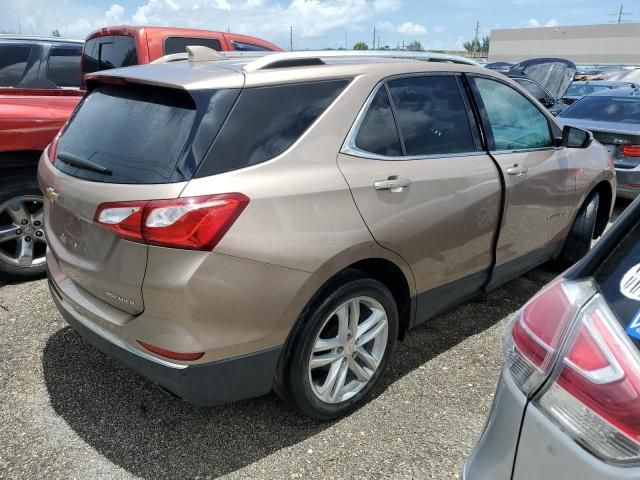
<point x="578" y="241"/>
<point x="340" y="348"/>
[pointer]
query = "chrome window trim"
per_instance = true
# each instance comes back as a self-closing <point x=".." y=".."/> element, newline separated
<point x="349" y="146"/>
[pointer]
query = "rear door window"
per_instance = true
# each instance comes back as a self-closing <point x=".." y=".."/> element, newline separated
<point x="180" y="44"/>
<point x="112" y="51"/>
<point x="248" y="47"/>
<point x="516" y="123"/>
<point x="142" y="134"/>
<point x="14" y="60"/>
<point x="63" y="67"/>
<point x="378" y="133"/>
<point x="431" y="115"/>
<point x="266" y="121"/>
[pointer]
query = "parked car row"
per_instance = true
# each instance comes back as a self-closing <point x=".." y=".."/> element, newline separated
<point x="40" y="86"/>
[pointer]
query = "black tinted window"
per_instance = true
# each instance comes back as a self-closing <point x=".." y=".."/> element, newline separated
<point x="63" y="67"/>
<point x="248" y="47"/>
<point x="378" y="133"/>
<point x="113" y="51"/>
<point x="13" y="64"/>
<point x="266" y="121"/>
<point x="180" y="44"/>
<point x="142" y="134"/>
<point x="606" y="109"/>
<point x="431" y="115"/>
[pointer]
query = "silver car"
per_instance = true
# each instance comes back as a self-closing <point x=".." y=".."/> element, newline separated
<point x="568" y="400"/>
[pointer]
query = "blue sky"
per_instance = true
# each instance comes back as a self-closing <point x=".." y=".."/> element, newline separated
<point x="439" y="24"/>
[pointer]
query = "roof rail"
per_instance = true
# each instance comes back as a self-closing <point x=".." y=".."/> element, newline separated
<point x="198" y="53"/>
<point x="40" y="38"/>
<point x="290" y="59"/>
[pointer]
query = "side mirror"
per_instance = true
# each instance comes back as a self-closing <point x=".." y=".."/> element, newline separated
<point x="573" y="137"/>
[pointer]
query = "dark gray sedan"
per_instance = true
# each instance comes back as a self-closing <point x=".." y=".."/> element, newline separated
<point x="613" y="116"/>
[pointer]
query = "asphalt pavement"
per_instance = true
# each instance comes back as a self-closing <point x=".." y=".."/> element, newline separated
<point x="68" y="411"/>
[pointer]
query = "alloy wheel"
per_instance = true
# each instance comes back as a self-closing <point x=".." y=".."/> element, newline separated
<point x="348" y="349"/>
<point x="22" y="240"/>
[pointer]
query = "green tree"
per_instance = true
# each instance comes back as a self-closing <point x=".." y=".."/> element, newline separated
<point x="415" y="46"/>
<point x="476" y="45"/>
<point x="55" y="33"/>
<point x="361" y="46"/>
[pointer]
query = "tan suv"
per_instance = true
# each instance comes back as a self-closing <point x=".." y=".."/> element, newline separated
<point x="228" y="227"/>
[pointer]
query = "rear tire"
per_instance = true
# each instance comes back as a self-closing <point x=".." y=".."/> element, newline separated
<point x="580" y="236"/>
<point x="21" y="191"/>
<point x="357" y="362"/>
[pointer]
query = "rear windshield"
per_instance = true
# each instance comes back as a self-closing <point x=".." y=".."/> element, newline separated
<point x="63" y="67"/>
<point x="13" y="64"/>
<point x="580" y="90"/>
<point x="141" y="134"/>
<point x="112" y="51"/>
<point x="606" y="109"/>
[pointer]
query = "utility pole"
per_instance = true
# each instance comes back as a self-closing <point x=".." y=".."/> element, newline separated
<point x="291" y="38"/>
<point x="346" y="42"/>
<point x="621" y="13"/>
<point x="373" y="45"/>
<point x="476" y="44"/>
<point x="19" y="27"/>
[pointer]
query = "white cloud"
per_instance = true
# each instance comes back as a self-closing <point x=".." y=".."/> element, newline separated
<point x="386" y="5"/>
<point x="411" y="28"/>
<point x="114" y="14"/>
<point x="552" y="23"/>
<point x="533" y="22"/>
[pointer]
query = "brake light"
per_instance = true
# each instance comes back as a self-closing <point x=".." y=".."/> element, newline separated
<point x="194" y="223"/>
<point x="172" y="355"/>
<point x="631" y="150"/>
<point x="596" y="395"/>
<point x="536" y="332"/>
<point x="52" y="152"/>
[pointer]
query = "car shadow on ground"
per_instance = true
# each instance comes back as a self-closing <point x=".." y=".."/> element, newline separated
<point x="151" y="435"/>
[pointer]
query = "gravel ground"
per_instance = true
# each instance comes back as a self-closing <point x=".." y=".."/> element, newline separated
<point x="68" y="411"/>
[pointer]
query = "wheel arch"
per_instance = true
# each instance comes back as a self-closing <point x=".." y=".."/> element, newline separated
<point x="605" y="205"/>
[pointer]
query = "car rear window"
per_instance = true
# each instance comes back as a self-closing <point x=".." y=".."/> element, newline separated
<point x="580" y="90"/>
<point x="142" y="134"/>
<point x="248" y="47"/>
<point x="180" y="44"/>
<point x="63" y="67"/>
<point x="111" y="51"/>
<point x="266" y="121"/>
<point x="606" y="109"/>
<point x="13" y="64"/>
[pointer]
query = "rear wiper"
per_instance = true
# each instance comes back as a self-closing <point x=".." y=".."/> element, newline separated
<point x="82" y="163"/>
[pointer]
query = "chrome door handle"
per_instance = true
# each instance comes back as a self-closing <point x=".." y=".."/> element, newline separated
<point x="517" y="170"/>
<point x="395" y="185"/>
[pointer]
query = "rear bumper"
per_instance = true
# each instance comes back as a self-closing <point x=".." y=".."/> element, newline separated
<point x="627" y="177"/>
<point x="494" y="454"/>
<point x="204" y="384"/>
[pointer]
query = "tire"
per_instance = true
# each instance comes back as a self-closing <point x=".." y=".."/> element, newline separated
<point x="300" y="385"/>
<point x="578" y="242"/>
<point x="21" y="189"/>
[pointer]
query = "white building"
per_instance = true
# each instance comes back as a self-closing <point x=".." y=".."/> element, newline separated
<point x="617" y="44"/>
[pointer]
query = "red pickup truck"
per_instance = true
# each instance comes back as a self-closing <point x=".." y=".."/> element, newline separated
<point x="40" y="86"/>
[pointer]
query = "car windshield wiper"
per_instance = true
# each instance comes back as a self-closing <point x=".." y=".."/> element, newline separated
<point x="82" y="163"/>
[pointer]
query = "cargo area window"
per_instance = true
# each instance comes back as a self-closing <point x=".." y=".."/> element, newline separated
<point x="266" y="121"/>
<point x="63" y="67"/>
<point x="13" y="64"/>
<point x="180" y="44"/>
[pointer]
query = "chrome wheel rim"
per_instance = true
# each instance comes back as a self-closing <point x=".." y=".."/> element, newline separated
<point x="348" y="349"/>
<point x="22" y="240"/>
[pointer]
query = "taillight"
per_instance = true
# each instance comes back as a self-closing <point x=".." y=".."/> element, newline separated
<point x="596" y="394"/>
<point x="531" y="343"/>
<point x="194" y="223"/>
<point x="631" y="150"/>
<point x="52" y="152"/>
<point x="568" y="351"/>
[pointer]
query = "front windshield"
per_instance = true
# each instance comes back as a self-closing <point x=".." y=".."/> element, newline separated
<point x="606" y="109"/>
